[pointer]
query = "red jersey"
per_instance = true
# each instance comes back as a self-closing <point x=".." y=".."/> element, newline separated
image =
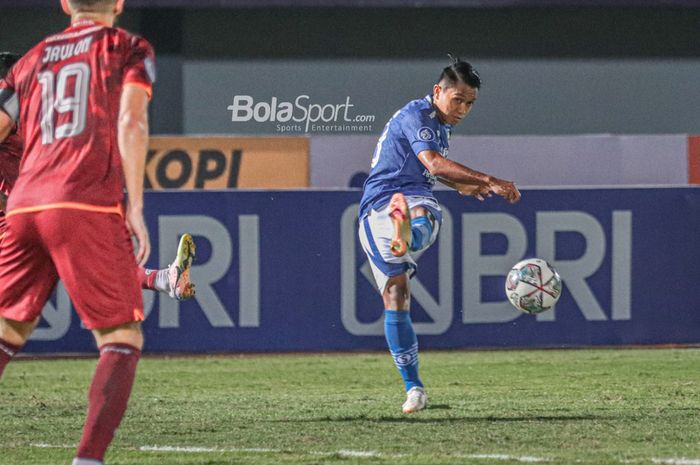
<point x="10" y="155"/>
<point x="69" y="88"/>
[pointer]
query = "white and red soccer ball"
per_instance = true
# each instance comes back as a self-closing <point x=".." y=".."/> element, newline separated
<point x="533" y="286"/>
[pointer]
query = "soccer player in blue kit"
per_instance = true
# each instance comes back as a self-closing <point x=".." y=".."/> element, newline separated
<point x="399" y="216"/>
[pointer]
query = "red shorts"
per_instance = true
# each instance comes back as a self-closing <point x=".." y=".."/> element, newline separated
<point x="91" y="252"/>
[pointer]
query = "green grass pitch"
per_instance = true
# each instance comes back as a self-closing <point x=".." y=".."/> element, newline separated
<point x="554" y="407"/>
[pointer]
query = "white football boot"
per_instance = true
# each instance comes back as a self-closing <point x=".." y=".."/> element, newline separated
<point x="181" y="288"/>
<point x="416" y="399"/>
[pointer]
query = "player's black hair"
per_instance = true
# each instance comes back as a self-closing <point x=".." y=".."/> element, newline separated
<point x="7" y="59"/>
<point x="459" y="71"/>
<point x="90" y="5"/>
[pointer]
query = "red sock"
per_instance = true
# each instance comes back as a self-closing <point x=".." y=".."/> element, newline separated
<point x="147" y="278"/>
<point x="7" y="351"/>
<point x="108" y="397"/>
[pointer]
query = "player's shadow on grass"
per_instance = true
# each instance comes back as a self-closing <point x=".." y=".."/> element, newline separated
<point x="439" y="407"/>
<point x="416" y="418"/>
<point x="419" y="418"/>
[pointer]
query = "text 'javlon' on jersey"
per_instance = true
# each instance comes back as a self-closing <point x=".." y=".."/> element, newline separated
<point x="62" y="52"/>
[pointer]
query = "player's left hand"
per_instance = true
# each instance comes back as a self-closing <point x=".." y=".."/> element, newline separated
<point x="479" y="191"/>
<point x="137" y="228"/>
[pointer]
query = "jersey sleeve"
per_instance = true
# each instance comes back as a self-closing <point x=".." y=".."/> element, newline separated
<point x="140" y="66"/>
<point x="421" y="130"/>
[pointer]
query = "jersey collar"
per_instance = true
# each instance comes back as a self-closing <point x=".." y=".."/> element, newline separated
<point x="87" y="23"/>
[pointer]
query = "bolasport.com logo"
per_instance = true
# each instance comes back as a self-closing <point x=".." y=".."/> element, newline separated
<point x="301" y="115"/>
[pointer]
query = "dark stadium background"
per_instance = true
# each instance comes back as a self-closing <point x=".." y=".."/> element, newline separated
<point x="378" y="29"/>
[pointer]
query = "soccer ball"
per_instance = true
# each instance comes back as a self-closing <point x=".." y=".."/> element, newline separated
<point x="533" y="286"/>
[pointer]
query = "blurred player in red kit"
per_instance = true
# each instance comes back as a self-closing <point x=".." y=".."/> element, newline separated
<point x="80" y="100"/>
<point x="174" y="280"/>
<point x="10" y="150"/>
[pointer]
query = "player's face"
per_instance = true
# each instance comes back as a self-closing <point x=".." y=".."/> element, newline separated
<point x="454" y="103"/>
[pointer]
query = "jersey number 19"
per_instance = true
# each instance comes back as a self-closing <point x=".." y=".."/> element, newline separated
<point x="64" y="92"/>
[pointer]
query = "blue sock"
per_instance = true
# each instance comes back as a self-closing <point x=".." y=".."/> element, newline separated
<point x="421" y="231"/>
<point x="403" y="345"/>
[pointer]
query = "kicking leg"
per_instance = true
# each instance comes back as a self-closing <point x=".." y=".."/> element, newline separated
<point x="174" y="280"/>
<point x="413" y="230"/>
<point x="422" y="227"/>
<point x="401" y="219"/>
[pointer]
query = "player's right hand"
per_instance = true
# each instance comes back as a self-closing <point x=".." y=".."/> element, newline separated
<point x="136" y="226"/>
<point x="505" y="189"/>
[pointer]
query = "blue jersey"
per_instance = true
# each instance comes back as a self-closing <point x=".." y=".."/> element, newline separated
<point x="395" y="165"/>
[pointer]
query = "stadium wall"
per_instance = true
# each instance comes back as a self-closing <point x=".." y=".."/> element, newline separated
<point x="589" y="160"/>
<point x="359" y="96"/>
<point x="227" y="162"/>
<point x="339" y="161"/>
<point x="283" y="271"/>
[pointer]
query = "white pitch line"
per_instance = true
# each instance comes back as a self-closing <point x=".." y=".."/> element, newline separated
<point x="41" y="445"/>
<point x="342" y="453"/>
<point x="680" y="461"/>
<point x="360" y="454"/>
<point x="199" y="450"/>
<point x="524" y="458"/>
<point x="195" y="450"/>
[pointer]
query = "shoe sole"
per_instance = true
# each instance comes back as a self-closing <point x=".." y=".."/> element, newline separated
<point x="183" y="263"/>
<point x="185" y="253"/>
<point x="415" y="410"/>
<point x="401" y="218"/>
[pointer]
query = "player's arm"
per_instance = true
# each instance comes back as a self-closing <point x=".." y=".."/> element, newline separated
<point x="458" y="174"/>
<point x="478" y="190"/>
<point x="6" y="123"/>
<point x="133" y="145"/>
